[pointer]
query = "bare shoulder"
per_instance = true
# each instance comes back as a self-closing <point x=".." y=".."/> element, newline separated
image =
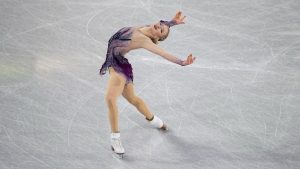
<point x="139" y="39"/>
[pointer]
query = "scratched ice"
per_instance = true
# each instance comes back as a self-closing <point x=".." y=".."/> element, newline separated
<point x="237" y="106"/>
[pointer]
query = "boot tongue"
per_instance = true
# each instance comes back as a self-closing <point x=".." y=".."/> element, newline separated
<point x="115" y="135"/>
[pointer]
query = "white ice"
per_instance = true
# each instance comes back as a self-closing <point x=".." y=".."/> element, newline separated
<point x="237" y="106"/>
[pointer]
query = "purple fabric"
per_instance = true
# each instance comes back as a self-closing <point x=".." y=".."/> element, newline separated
<point x="168" y="23"/>
<point x="114" y="55"/>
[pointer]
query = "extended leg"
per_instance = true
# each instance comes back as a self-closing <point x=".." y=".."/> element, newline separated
<point x="129" y="95"/>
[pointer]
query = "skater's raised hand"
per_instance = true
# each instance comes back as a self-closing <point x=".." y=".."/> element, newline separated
<point x="178" y="19"/>
<point x="190" y="59"/>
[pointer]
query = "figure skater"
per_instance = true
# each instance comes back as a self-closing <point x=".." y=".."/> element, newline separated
<point x="120" y="70"/>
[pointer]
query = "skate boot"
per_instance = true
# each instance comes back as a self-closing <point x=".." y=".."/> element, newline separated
<point x="157" y="123"/>
<point x="116" y="144"/>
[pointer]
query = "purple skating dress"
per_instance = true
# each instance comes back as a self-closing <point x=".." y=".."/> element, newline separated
<point x="115" y="52"/>
<point x="115" y="55"/>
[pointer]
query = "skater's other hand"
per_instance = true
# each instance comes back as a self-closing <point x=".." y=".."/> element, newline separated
<point x="190" y="59"/>
<point x="178" y="19"/>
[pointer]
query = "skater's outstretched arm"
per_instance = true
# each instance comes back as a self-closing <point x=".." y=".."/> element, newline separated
<point x="150" y="46"/>
<point x="176" y="20"/>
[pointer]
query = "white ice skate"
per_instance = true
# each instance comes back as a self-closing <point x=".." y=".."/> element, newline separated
<point x="116" y="144"/>
<point x="157" y="123"/>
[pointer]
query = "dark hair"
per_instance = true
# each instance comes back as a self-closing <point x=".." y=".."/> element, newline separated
<point x="154" y="41"/>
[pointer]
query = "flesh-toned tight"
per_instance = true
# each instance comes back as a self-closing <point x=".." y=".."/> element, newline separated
<point x="115" y="87"/>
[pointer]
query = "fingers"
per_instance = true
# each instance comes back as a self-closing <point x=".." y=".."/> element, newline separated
<point x="190" y="59"/>
<point x="178" y="18"/>
<point x="181" y="20"/>
<point x="178" y="14"/>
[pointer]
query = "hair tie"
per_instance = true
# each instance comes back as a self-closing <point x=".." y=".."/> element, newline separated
<point x="168" y="23"/>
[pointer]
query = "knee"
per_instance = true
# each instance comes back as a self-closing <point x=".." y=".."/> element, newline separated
<point x="110" y="99"/>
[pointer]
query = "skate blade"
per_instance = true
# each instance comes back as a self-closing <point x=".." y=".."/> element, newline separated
<point x="120" y="155"/>
<point x="164" y="127"/>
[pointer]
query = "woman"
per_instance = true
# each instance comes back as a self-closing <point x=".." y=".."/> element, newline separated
<point x="120" y="70"/>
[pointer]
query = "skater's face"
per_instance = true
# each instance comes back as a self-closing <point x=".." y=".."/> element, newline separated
<point x="160" y="31"/>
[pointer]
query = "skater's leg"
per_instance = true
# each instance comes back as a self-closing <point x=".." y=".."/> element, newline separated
<point x="115" y="87"/>
<point x="129" y="95"/>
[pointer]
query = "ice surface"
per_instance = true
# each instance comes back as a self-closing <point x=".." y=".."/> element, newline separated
<point x="237" y="106"/>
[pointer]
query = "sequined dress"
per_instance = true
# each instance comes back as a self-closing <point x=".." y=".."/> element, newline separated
<point x="115" y="54"/>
